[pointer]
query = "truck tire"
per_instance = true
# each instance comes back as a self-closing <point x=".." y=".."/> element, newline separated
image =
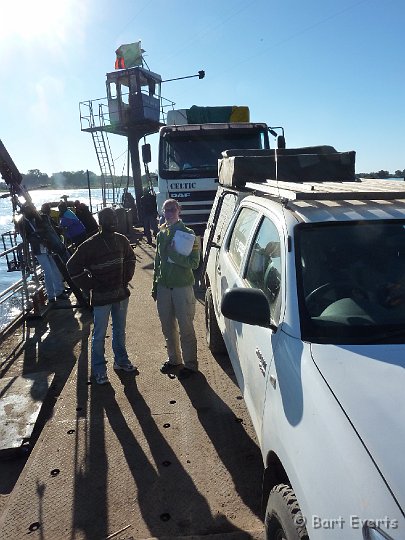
<point x="213" y="334"/>
<point x="284" y="520"/>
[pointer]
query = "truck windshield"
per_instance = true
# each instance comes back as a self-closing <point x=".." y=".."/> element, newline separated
<point x="196" y="155"/>
<point x="351" y="282"/>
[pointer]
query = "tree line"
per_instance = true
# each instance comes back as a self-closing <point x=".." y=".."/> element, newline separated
<point x="35" y="179"/>
<point x="382" y="174"/>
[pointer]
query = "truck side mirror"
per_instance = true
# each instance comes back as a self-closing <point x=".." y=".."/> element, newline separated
<point x="281" y="141"/>
<point x="146" y="153"/>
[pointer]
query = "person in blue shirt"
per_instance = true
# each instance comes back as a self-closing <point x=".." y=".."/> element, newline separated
<point x="73" y="229"/>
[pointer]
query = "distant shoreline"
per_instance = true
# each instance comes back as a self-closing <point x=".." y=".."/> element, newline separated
<point x="5" y="190"/>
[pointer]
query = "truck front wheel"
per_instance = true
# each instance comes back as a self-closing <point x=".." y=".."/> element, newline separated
<point x="284" y="520"/>
<point x="213" y="334"/>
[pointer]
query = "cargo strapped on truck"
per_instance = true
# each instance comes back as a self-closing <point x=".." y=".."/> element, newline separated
<point x="311" y="163"/>
<point x="303" y="174"/>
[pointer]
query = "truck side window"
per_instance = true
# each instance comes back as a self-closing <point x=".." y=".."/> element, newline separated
<point x="264" y="265"/>
<point x="240" y="235"/>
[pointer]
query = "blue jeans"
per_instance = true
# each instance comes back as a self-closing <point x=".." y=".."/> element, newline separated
<point x="53" y="278"/>
<point x="101" y="315"/>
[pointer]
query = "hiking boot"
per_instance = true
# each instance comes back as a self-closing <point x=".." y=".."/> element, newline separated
<point x="185" y="373"/>
<point x="101" y="378"/>
<point x="125" y="367"/>
<point x="168" y="367"/>
<point x="62" y="296"/>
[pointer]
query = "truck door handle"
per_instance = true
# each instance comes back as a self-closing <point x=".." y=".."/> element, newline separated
<point x="219" y="269"/>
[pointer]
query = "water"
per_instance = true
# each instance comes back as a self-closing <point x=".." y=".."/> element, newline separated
<point x="11" y="308"/>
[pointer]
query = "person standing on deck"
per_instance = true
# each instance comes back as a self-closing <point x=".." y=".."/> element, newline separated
<point x="53" y="233"/>
<point x="173" y="281"/>
<point x="46" y="213"/>
<point x="82" y="211"/>
<point x="33" y="228"/>
<point x="128" y="202"/>
<point x="104" y="265"/>
<point x="149" y="214"/>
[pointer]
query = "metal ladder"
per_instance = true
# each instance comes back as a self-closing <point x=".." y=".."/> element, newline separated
<point x="104" y="156"/>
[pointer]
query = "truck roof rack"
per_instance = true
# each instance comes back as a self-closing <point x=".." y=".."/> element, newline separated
<point x="232" y="126"/>
<point x="310" y="163"/>
<point x="366" y="189"/>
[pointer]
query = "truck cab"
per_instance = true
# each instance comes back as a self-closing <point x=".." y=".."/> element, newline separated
<point x="305" y="291"/>
<point x="189" y="153"/>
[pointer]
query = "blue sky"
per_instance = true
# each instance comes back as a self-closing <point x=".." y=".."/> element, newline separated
<point x="329" y="72"/>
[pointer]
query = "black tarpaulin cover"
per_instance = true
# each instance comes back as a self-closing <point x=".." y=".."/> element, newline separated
<point x="316" y="164"/>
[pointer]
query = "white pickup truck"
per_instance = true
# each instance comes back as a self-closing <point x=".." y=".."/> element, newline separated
<point x="304" y="268"/>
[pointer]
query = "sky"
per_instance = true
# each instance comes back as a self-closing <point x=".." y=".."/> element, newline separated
<point x="327" y="71"/>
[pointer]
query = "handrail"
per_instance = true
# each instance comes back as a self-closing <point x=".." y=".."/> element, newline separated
<point x="12" y="287"/>
<point x="103" y="115"/>
<point x="14" y="262"/>
<point x="14" y="248"/>
<point x="20" y="293"/>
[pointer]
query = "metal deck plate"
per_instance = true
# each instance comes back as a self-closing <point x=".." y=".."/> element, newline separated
<point x="21" y="400"/>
